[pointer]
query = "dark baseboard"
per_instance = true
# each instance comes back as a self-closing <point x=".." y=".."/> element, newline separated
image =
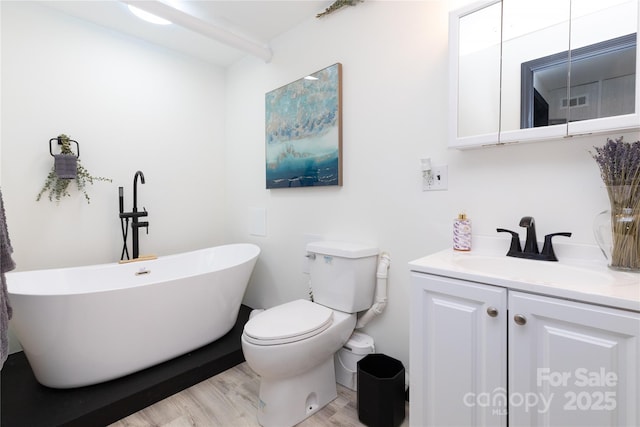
<point x="27" y="403"/>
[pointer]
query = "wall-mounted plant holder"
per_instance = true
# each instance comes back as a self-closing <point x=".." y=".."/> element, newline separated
<point x="66" y="168"/>
<point x="66" y="163"/>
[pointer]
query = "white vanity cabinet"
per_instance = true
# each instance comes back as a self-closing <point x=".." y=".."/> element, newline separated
<point x="484" y="355"/>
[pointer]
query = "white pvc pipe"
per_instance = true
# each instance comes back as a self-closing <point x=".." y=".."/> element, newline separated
<point x="380" y="298"/>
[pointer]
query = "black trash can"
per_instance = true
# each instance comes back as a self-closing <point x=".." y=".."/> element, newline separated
<point x="380" y="391"/>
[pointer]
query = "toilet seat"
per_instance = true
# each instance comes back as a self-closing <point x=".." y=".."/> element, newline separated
<point x="289" y="322"/>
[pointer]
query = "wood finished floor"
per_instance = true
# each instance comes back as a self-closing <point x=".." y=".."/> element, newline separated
<point x="229" y="400"/>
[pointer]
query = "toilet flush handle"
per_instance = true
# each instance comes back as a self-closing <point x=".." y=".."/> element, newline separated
<point x="311" y="255"/>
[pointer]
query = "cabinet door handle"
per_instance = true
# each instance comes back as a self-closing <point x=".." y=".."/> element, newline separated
<point x="492" y="311"/>
<point x="520" y="319"/>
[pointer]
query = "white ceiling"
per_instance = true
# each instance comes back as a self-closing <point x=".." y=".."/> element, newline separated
<point x="257" y="21"/>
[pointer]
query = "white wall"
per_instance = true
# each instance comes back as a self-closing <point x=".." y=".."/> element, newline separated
<point x="198" y="135"/>
<point x="131" y="106"/>
<point x="395" y="71"/>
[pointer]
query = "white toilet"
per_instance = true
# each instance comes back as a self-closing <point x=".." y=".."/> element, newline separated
<point x="291" y="346"/>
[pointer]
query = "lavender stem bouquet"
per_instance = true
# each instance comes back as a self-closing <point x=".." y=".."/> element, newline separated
<point x="619" y="164"/>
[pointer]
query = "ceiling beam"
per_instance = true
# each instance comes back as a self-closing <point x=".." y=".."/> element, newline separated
<point x="207" y="29"/>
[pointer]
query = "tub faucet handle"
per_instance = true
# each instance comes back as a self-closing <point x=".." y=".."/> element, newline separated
<point x="146" y="223"/>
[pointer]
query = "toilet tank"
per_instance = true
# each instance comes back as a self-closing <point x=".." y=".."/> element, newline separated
<point x="343" y="275"/>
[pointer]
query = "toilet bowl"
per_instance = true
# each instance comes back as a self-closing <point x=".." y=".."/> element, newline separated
<point x="291" y="348"/>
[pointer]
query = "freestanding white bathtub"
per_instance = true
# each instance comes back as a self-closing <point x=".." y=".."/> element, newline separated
<point x="85" y="325"/>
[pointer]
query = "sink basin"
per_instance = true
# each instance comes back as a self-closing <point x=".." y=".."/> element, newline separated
<point x="538" y="272"/>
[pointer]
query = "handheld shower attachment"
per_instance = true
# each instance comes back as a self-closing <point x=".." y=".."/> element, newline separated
<point x="124" y="224"/>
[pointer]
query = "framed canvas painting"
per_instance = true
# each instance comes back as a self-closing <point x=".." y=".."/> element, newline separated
<point x="304" y="131"/>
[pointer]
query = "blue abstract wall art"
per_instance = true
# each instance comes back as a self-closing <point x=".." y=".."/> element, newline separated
<point x="304" y="131"/>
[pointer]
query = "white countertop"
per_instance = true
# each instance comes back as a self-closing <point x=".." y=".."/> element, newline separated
<point x="581" y="274"/>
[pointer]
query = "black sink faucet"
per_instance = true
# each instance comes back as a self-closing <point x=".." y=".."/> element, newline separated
<point x="135" y="216"/>
<point x="531" y="243"/>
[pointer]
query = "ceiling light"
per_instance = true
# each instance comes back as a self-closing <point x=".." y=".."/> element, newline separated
<point x="149" y="17"/>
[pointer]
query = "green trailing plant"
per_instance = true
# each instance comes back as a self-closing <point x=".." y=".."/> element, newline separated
<point x="59" y="187"/>
<point x="338" y="4"/>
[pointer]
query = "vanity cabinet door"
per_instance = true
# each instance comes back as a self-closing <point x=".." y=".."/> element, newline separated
<point x="458" y="353"/>
<point x="572" y="364"/>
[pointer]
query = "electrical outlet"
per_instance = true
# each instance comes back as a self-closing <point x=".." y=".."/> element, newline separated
<point x="437" y="180"/>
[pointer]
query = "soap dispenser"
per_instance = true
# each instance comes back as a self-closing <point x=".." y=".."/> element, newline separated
<point x="462" y="233"/>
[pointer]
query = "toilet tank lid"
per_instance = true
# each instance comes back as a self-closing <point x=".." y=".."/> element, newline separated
<point x="342" y="249"/>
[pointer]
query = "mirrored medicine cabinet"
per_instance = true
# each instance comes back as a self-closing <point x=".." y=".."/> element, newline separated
<point x="528" y="70"/>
